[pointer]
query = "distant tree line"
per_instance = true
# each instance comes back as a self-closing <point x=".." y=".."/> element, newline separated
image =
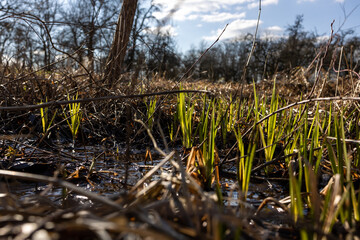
<point x="298" y="48"/>
<point x="84" y="29"/>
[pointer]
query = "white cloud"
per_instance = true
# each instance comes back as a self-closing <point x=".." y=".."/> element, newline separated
<point x="220" y="17"/>
<point x="274" y="29"/>
<point x="211" y="11"/>
<point x="235" y="29"/>
<point x="255" y="4"/>
<point x="189" y="9"/>
<point x="272" y="33"/>
<point x="165" y="30"/>
<point x="192" y="17"/>
<point x="322" y="39"/>
<point x="340" y="1"/>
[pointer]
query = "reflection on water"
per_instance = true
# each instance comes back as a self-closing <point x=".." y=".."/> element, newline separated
<point x="101" y="170"/>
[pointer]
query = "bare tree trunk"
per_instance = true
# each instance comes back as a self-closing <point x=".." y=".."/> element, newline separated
<point x="115" y="60"/>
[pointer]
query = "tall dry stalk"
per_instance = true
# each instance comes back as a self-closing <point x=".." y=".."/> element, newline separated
<point x="114" y="62"/>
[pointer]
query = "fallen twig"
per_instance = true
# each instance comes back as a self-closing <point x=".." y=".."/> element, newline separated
<point x="62" y="183"/>
<point x="152" y="171"/>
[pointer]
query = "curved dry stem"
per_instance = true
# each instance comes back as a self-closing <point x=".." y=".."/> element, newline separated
<point x="269" y="200"/>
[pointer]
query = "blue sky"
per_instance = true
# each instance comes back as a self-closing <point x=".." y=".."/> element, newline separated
<point x="202" y="20"/>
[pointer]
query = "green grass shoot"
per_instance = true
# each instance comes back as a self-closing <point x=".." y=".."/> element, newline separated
<point x="73" y="116"/>
<point x="185" y="112"/>
<point x="45" y="121"/>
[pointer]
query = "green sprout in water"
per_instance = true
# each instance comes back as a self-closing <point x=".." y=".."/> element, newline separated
<point x="185" y="114"/>
<point x="73" y="117"/>
<point x="44" y="113"/>
<point x="245" y="162"/>
<point x="150" y="110"/>
<point x="272" y="132"/>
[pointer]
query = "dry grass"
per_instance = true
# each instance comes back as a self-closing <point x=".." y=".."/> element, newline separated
<point x="170" y="206"/>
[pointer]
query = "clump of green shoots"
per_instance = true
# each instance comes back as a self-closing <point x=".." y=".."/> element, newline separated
<point x="245" y="163"/>
<point x="295" y="190"/>
<point x="228" y="111"/>
<point x="246" y="157"/>
<point x="341" y="199"/>
<point x="292" y="135"/>
<point x="45" y="121"/>
<point x="308" y="138"/>
<point x="207" y="156"/>
<point x="185" y="112"/>
<point x="348" y="206"/>
<point x="150" y="109"/>
<point x="73" y="117"/>
<point x="209" y="150"/>
<point x="272" y="131"/>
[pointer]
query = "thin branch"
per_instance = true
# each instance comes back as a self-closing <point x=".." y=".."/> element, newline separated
<point x="324" y="99"/>
<point x="25" y="16"/>
<point x="152" y="172"/>
<point x="243" y="76"/>
<point x="152" y="137"/>
<point x="87" y="100"/>
<point x="202" y="55"/>
<point x="268" y="200"/>
<point x="254" y="40"/>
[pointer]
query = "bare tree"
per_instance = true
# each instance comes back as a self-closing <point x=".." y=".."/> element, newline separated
<point x="6" y="28"/>
<point x="299" y="47"/>
<point x="142" y="21"/>
<point x="87" y="26"/>
<point x="22" y="44"/>
<point x="45" y="10"/>
<point x="162" y="57"/>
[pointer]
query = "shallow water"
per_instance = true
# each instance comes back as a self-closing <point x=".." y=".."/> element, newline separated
<point x="108" y="175"/>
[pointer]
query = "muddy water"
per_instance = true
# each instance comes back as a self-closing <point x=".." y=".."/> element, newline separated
<point x="108" y="176"/>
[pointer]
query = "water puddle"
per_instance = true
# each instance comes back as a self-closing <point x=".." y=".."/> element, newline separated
<point x="103" y="170"/>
